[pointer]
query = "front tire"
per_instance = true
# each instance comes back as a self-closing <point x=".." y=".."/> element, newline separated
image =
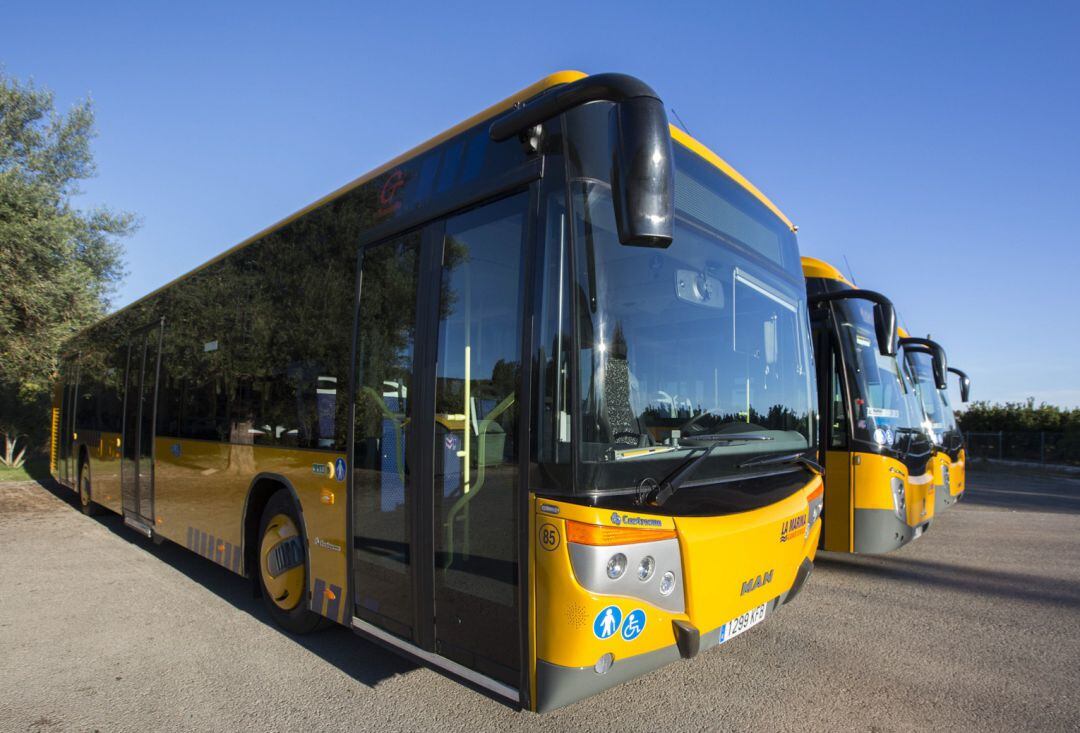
<point x="283" y="566"/>
<point x="86" y="502"/>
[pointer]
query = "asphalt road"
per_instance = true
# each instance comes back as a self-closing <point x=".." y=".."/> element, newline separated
<point x="975" y="626"/>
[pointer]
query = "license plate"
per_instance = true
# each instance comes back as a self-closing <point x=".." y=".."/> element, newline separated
<point x="737" y="625"/>
<point x="918" y="532"/>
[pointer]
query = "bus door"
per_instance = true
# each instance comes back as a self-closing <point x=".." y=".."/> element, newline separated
<point x="436" y="431"/>
<point x="140" y="399"/>
<point x="65" y="461"/>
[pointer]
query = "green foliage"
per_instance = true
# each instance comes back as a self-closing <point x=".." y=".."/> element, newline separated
<point x="58" y="264"/>
<point x="1018" y="416"/>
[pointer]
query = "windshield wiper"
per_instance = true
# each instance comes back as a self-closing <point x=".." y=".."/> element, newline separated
<point x="798" y="458"/>
<point x="671" y="483"/>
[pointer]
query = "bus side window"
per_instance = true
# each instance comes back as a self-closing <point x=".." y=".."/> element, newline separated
<point x="553" y="414"/>
<point x="86" y="408"/>
<point x="837" y="414"/>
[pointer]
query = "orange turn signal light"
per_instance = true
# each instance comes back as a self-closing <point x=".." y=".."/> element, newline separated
<point x="816" y="493"/>
<point x="329" y="594"/>
<point x="596" y="534"/>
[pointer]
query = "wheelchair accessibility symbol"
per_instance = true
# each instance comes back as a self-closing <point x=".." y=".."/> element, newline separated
<point x="633" y="625"/>
<point x="607" y="622"/>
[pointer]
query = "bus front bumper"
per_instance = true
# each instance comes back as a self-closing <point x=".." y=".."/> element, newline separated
<point x="880" y="530"/>
<point x="557" y="685"/>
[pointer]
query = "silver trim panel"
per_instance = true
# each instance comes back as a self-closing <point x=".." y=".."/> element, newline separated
<point x="449" y="665"/>
<point x="590" y="568"/>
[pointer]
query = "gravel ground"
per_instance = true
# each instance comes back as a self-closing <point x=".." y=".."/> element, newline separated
<point x="975" y="626"/>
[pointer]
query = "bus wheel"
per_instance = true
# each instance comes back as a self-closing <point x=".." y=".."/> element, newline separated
<point x="283" y="566"/>
<point x="89" y="508"/>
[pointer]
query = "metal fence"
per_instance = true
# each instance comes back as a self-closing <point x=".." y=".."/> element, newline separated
<point x="1033" y="446"/>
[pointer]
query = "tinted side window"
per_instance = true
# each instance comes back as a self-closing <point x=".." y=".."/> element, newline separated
<point x="837" y="413"/>
<point x="256" y="345"/>
<point x="101" y="388"/>
<point x="86" y="408"/>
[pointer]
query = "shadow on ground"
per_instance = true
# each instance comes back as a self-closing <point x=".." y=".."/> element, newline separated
<point x="1046" y="591"/>
<point x="1026" y="491"/>
<point x="364" y="661"/>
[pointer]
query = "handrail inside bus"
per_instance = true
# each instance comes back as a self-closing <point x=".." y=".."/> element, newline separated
<point x="465" y="498"/>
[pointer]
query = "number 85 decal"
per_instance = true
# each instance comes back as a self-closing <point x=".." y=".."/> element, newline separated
<point x="549" y="536"/>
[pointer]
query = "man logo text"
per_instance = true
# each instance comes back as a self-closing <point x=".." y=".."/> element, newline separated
<point x="755" y="583"/>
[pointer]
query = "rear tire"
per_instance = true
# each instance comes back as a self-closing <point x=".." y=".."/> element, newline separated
<point x="86" y="502"/>
<point x="282" y="558"/>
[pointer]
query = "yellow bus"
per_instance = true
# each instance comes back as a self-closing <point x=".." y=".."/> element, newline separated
<point x="926" y="360"/>
<point x="878" y="484"/>
<point x="958" y="458"/>
<point x="530" y="403"/>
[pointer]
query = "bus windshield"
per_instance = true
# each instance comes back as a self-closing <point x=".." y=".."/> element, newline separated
<point x="685" y="346"/>
<point x="940" y="420"/>
<point x="886" y="410"/>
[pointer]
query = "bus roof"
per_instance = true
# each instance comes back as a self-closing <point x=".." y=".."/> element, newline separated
<point x="813" y="267"/>
<point x="549" y="81"/>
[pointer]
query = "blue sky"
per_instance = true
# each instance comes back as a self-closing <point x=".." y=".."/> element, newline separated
<point x="935" y="145"/>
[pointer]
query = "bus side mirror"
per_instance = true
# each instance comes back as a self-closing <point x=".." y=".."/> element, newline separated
<point x="885" y="328"/>
<point x="941" y="369"/>
<point x="965" y="384"/>
<point x="937" y="357"/>
<point x="642" y="173"/>
<point x="642" y="161"/>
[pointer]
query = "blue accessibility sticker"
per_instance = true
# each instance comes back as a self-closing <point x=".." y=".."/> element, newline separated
<point x="633" y="625"/>
<point x="339" y="469"/>
<point x="607" y="622"/>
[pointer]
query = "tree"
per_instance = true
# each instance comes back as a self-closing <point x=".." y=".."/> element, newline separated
<point x="59" y="265"/>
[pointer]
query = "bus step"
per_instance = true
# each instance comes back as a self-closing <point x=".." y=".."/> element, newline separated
<point x="138" y="525"/>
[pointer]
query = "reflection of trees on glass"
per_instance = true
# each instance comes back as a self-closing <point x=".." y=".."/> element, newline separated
<point x="255" y="344"/>
<point x="382" y="474"/>
<point x="387" y="331"/>
<point x="476" y="431"/>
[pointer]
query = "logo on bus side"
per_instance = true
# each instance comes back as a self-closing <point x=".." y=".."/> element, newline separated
<point x="621" y="519"/>
<point x="320" y="542"/>
<point x="791" y="528"/>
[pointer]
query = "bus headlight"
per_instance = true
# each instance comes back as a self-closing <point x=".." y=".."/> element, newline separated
<point x="814" y="503"/>
<point x="601" y="555"/>
<point x="899" y="498"/>
<point x="645" y="568"/>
